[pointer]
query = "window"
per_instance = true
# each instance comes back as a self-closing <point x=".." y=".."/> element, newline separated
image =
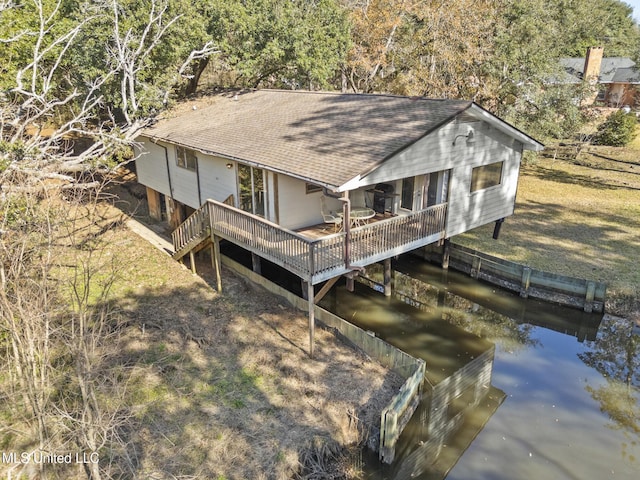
<point x="186" y="158"/>
<point x="406" y="199"/>
<point x="251" y="189"/>
<point x="486" y="176"/>
<point x="311" y="188"/>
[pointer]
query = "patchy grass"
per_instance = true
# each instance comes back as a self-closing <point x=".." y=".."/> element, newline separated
<point x="577" y="216"/>
<point x="224" y="388"/>
<point x="217" y="385"/>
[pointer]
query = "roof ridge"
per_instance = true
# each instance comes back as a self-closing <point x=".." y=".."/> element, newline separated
<point x="358" y="94"/>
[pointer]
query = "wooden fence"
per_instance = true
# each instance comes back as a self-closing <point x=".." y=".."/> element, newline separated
<point x="528" y="282"/>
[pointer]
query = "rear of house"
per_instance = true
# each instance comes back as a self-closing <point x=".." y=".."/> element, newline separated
<point x="285" y="155"/>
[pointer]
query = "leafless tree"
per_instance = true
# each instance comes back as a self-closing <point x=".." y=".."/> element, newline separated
<point x="38" y="152"/>
<point x="60" y="336"/>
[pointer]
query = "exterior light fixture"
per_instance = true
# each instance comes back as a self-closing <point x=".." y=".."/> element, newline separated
<point x="468" y="136"/>
<point x="229" y="166"/>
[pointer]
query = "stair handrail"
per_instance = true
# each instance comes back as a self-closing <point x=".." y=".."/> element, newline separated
<point x="195" y="226"/>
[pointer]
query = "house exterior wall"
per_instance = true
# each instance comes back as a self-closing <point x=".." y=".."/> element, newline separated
<point x="167" y="177"/>
<point x="151" y="167"/>
<point x="298" y="208"/>
<point x="437" y="152"/>
<point x="620" y="94"/>
<point x="216" y="180"/>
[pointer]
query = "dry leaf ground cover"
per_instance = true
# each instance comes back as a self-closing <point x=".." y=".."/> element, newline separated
<point x="225" y="388"/>
<point x="577" y="216"/>
<point x="220" y="386"/>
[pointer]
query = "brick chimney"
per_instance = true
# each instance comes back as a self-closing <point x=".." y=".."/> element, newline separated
<point x="592" y="63"/>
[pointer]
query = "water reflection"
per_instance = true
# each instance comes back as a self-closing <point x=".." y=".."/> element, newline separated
<point x="555" y="371"/>
<point x="615" y="354"/>
<point x="563" y="399"/>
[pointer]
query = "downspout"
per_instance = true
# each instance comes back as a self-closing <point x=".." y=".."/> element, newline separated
<point x="198" y="180"/>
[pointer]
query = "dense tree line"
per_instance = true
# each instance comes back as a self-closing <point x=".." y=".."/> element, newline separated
<point x="111" y="63"/>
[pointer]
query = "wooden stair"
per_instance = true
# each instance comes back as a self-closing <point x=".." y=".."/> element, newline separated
<point x="193" y="234"/>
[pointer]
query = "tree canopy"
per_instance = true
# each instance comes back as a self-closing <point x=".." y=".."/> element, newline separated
<point x="102" y="68"/>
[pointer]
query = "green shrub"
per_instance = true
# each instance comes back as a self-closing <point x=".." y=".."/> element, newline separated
<point x="617" y="130"/>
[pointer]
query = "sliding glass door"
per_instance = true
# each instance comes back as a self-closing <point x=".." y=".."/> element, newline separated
<point x="251" y="189"/>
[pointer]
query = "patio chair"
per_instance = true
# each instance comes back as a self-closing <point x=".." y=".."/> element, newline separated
<point x="330" y="217"/>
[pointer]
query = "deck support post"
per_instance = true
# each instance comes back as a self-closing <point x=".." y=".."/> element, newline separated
<point x="496" y="228"/>
<point x="256" y="264"/>
<point x="312" y="319"/>
<point x="215" y="260"/>
<point x="387" y="277"/>
<point x="192" y="260"/>
<point x="350" y="283"/>
<point x="446" y="251"/>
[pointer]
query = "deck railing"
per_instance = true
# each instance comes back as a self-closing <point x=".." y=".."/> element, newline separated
<point x="397" y="234"/>
<point x="314" y="260"/>
<point x="194" y="228"/>
<point x="279" y="245"/>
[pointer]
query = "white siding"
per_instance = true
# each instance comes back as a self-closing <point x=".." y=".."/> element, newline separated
<point x="184" y="183"/>
<point x="217" y="181"/>
<point x="437" y="152"/>
<point x="151" y="167"/>
<point x="297" y="208"/>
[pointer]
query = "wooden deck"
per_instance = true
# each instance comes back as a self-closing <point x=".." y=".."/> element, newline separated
<point x="323" y="229"/>
<point x="315" y="254"/>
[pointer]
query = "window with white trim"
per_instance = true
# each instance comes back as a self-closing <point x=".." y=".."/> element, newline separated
<point x="186" y="158"/>
<point x="486" y="176"/>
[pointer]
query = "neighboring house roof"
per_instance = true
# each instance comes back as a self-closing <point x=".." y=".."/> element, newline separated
<point x="626" y="75"/>
<point x="325" y="138"/>
<point x="609" y="69"/>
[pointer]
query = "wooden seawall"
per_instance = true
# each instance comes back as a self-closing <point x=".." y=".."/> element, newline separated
<point x="528" y="282"/>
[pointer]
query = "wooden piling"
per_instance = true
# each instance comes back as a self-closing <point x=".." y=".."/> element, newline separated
<point x="192" y="259"/>
<point x="387" y="277"/>
<point x="256" y="263"/>
<point x="312" y="319"/>
<point x="446" y="252"/>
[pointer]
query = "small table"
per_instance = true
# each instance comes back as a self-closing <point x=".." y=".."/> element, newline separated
<point x="360" y="215"/>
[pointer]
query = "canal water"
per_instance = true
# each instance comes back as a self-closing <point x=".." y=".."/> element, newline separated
<point x="562" y="399"/>
<point x="564" y="395"/>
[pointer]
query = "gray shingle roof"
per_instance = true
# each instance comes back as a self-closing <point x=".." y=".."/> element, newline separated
<point x="574" y="67"/>
<point x="626" y="75"/>
<point x="326" y="138"/>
